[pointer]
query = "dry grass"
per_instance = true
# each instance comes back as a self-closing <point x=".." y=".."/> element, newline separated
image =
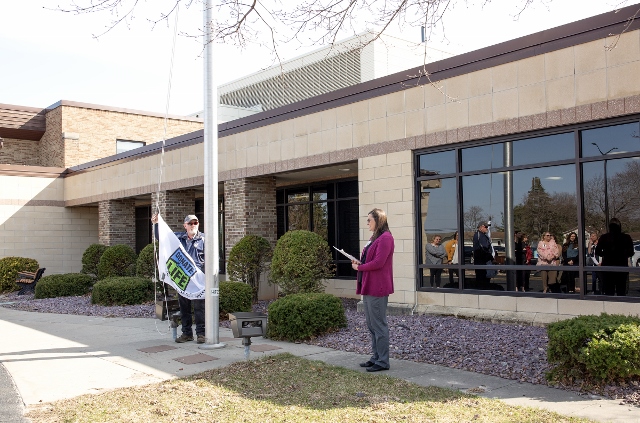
<point x="285" y="388"/>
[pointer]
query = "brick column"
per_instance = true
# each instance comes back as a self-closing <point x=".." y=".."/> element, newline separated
<point x="174" y="206"/>
<point x="117" y="222"/>
<point x="250" y="209"/>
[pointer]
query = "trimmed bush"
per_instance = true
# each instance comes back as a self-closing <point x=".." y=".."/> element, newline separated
<point x="594" y="348"/>
<point x="67" y="285"/>
<point x="9" y="268"/>
<point x="122" y="291"/>
<point x="117" y="260"/>
<point x="91" y="258"/>
<point x="301" y="260"/>
<point x="234" y="297"/>
<point x="302" y="316"/>
<point x="146" y="263"/>
<point x="247" y="261"/>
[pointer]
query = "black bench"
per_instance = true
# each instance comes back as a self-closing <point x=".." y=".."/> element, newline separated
<point x="27" y="281"/>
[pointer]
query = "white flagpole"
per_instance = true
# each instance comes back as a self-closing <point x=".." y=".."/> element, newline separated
<point x="211" y="267"/>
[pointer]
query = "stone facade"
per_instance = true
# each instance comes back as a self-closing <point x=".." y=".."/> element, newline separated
<point x="20" y="152"/>
<point x="174" y="206"/>
<point x="250" y="209"/>
<point x="117" y="222"/>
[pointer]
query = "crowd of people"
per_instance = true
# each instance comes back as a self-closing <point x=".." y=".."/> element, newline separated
<point x="558" y="260"/>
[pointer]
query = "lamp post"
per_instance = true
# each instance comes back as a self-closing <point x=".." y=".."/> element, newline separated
<point x="606" y="187"/>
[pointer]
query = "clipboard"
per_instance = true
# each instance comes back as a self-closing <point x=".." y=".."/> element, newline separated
<point x="347" y="255"/>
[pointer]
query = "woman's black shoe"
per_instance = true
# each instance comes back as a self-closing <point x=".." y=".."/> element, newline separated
<point x="367" y="364"/>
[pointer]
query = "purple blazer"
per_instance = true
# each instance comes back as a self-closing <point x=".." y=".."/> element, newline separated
<point x="377" y="272"/>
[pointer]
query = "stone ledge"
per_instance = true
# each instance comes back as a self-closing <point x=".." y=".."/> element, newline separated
<point x="479" y="315"/>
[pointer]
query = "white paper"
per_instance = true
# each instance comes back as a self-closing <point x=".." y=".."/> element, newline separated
<point x="347" y="255"/>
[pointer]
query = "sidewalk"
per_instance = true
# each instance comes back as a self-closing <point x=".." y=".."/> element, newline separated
<point x="56" y="356"/>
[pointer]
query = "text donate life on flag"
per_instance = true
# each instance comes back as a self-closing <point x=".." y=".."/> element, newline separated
<point x="175" y="267"/>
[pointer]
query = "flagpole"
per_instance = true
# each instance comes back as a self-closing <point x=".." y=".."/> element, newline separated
<point x="211" y="241"/>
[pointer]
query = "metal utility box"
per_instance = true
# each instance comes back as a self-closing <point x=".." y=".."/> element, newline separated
<point x="248" y="324"/>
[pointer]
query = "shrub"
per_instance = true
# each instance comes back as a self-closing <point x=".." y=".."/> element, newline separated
<point x="301" y="260"/>
<point x="247" y="261"/>
<point x="9" y="268"/>
<point x="594" y="348"/>
<point x="301" y="316"/>
<point x="117" y="260"/>
<point x="91" y="258"/>
<point x="66" y="285"/>
<point x="234" y="297"/>
<point x="122" y="291"/>
<point x="146" y="263"/>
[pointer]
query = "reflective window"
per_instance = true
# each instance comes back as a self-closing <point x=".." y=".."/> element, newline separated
<point x="437" y="163"/>
<point x="438" y="215"/>
<point x="544" y="149"/>
<point x="611" y="140"/>
<point x="483" y="157"/>
<point x="126" y="145"/>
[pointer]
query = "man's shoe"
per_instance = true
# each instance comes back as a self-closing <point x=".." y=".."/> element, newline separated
<point x="201" y="339"/>
<point x="184" y="338"/>
<point x="367" y="364"/>
<point x="376" y="368"/>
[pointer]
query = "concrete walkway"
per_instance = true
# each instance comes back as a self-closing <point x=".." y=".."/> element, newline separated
<point x="54" y="356"/>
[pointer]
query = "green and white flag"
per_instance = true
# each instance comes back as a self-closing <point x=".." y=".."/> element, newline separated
<point x="175" y="267"/>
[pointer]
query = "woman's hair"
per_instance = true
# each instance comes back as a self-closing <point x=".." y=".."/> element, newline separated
<point x="381" y="222"/>
<point x="567" y="241"/>
<point x="455" y="235"/>
<point x="433" y="238"/>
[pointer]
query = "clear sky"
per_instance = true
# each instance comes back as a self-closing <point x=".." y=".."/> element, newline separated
<point x="47" y="55"/>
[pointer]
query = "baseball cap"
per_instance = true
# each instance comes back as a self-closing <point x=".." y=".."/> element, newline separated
<point x="191" y="217"/>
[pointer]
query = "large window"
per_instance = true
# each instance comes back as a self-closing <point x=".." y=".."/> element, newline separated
<point x="567" y="186"/>
<point x="328" y="209"/>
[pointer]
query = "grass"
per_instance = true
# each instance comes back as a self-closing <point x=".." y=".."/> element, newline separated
<point x="285" y="388"/>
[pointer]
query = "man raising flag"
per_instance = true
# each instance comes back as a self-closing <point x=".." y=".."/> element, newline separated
<point x="181" y="266"/>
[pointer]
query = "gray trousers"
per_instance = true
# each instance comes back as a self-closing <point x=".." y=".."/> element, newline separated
<point x="375" y="312"/>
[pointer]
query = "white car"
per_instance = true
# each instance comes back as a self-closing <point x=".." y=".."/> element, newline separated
<point x="635" y="260"/>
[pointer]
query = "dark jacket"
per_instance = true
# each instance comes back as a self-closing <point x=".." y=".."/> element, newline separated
<point x="615" y="249"/>
<point x="482" y="252"/>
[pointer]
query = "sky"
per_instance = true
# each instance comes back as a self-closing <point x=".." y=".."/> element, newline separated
<point x="47" y="55"/>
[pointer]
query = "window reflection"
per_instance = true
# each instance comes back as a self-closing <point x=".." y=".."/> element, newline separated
<point x="544" y="149"/>
<point x="483" y="157"/>
<point x="615" y="139"/>
<point x="437" y="163"/>
<point x="438" y="211"/>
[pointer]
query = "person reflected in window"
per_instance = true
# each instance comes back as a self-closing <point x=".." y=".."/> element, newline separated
<point x="451" y="248"/>
<point x="520" y="257"/>
<point x="615" y="248"/>
<point x="435" y="254"/>
<point x="375" y="284"/>
<point x="528" y="257"/>
<point x="594" y="260"/>
<point x="548" y="255"/>
<point x="570" y="257"/>
<point x="482" y="253"/>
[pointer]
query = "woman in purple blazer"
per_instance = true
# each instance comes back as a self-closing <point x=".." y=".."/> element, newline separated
<point x="375" y="283"/>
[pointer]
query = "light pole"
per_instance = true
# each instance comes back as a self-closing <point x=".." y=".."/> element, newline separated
<point x="606" y="187"/>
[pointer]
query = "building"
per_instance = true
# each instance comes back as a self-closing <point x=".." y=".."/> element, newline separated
<point x="427" y="150"/>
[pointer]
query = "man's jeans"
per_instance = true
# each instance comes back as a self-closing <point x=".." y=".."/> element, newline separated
<point x="187" y="320"/>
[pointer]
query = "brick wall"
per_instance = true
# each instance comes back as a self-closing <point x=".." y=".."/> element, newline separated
<point x="20" y="152"/>
<point x="51" y="144"/>
<point x="116" y="222"/>
<point x="174" y="206"/>
<point x="97" y="131"/>
<point x="250" y="209"/>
